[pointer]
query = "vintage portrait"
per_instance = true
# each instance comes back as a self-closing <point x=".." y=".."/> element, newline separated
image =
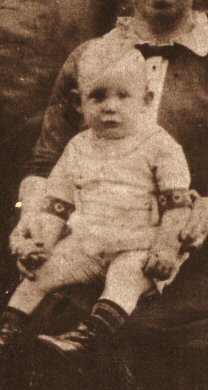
<point x="103" y="194"/>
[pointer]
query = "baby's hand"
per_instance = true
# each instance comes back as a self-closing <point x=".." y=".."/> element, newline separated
<point x="161" y="264"/>
<point x="30" y="256"/>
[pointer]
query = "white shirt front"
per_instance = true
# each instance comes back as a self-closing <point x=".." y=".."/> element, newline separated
<point x="196" y="40"/>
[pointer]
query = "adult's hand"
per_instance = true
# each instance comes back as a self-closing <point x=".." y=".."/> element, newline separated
<point x="195" y="231"/>
<point x="29" y="227"/>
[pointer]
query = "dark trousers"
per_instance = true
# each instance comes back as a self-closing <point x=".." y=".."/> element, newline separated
<point x="169" y="333"/>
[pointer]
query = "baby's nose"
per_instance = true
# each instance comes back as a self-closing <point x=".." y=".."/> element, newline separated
<point x="109" y="106"/>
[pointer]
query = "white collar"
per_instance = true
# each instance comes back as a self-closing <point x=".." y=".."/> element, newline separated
<point x="196" y="40"/>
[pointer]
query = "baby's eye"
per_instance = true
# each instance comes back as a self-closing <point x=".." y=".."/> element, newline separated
<point x="123" y="94"/>
<point x="98" y="94"/>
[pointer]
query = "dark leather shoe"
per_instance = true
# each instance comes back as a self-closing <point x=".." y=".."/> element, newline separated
<point x="84" y="352"/>
<point x="8" y="335"/>
<point x="78" y="343"/>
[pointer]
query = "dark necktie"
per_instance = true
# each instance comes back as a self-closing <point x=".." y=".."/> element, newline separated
<point x="148" y="51"/>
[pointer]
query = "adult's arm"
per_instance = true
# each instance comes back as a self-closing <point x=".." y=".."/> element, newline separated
<point x="61" y="122"/>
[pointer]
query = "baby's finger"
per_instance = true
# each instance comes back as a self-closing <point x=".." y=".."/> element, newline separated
<point x="32" y="251"/>
<point x="24" y="271"/>
<point x="186" y="233"/>
<point x="199" y="227"/>
<point x="196" y="218"/>
<point x="183" y="257"/>
<point x="198" y="242"/>
<point x="150" y="268"/>
<point x="34" y="257"/>
<point x="196" y="238"/>
<point x="39" y="243"/>
<point x="43" y="257"/>
<point x="38" y="259"/>
<point x="38" y="255"/>
<point x="162" y="273"/>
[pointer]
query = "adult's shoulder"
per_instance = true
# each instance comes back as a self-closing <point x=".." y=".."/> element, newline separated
<point x="79" y="51"/>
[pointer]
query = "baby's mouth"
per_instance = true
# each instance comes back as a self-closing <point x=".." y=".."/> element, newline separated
<point x="110" y="121"/>
<point x="111" y="124"/>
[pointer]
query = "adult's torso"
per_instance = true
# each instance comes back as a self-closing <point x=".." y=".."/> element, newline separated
<point x="183" y="110"/>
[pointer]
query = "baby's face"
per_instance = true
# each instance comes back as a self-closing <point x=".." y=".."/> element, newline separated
<point x="112" y="106"/>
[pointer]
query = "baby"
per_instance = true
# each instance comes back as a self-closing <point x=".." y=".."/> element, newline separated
<point x="122" y="188"/>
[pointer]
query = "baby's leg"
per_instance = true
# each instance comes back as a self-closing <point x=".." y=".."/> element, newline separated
<point x="125" y="283"/>
<point x="125" y="280"/>
<point x="68" y="265"/>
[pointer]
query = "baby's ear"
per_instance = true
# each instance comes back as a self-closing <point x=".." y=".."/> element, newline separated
<point x="76" y="100"/>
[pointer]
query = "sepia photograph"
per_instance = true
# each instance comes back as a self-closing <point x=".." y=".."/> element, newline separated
<point x="103" y="195"/>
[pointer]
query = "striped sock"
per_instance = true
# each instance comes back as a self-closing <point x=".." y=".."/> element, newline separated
<point x="110" y="315"/>
<point x="14" y="317"/>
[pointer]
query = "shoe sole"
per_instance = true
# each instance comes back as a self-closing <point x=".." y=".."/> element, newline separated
<point x="56" y="354"/>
